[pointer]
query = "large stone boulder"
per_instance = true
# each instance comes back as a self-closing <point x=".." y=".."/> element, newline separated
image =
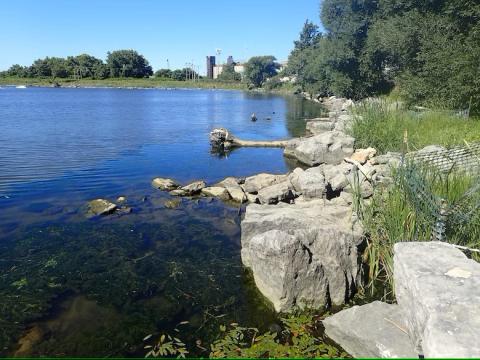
<point x="375" y="330"/>
<point x="275" y="193"/>
<point x="330" y="147"/>
<point x="255" y="183"/>
<point x="310" y="183"/>
<point x="325" y="266"/>
<point x="320" y="126"/>
<point x="438" y="289"/>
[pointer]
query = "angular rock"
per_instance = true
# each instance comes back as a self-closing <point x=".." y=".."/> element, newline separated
<point x="165" y="184"/>
<point x="325" y="266"/>
<point x="234" y="189"/>
<point x="362" y="155"/>
<point x="330" y="147"/>
<point x="100" y="207"/>
<point x="310" y="183"/>
<point x="255" y="183"/>
<point x="274" y="193"/>
<point x="194" y="188"/>
<point x="337" y="176"/>
<point x="375" y="330"/>
<point x="438" y="289"/>
<point x="319" y="127"/>
<point x="216" y="191"/>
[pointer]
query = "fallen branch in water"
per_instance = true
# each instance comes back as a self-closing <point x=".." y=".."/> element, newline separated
<point x="222" y="138"/>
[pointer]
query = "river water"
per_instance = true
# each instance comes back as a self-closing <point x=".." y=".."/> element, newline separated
<point x="84" y="287"/>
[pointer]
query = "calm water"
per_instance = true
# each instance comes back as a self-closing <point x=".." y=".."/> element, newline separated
<point x="97" y="287"/>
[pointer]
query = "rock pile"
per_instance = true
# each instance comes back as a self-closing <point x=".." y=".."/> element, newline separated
<point x="438" y="291"/>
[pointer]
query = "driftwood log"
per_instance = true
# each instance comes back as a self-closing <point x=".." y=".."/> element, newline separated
<point x="222" y="138"/>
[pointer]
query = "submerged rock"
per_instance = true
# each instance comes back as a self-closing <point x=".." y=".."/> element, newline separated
<point x="164" y="184"/>
<point x="100" y="207"/>
<point x="438" y="290"/>
<point x="375" y="330"/>
<point x="302" y="254"/>
<point x="172" y="203"/>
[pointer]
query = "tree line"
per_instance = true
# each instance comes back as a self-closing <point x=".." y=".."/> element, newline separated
<point x="120" y="63"/>
<point x="130" y="64"/>
<point x="428" y="51"/>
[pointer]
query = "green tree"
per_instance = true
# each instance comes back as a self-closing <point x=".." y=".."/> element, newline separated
<point x="163" y="73"/>
<point x="259" y="68"/>
<point x="128" y="63"/>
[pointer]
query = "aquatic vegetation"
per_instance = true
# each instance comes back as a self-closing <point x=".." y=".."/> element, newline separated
<point x="300" y="336"/>
<point x="143" y="278"/>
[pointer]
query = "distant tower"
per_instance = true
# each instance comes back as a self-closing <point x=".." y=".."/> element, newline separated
<point x="230" y="60"/>
<point x="210" y="65"/>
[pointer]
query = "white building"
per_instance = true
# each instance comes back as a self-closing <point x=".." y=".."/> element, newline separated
<point x="218" y="69"/>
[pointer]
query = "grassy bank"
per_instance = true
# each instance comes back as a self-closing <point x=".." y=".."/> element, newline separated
<point x="125" y="83"/>
<point x="409" y="208"/>
<point x="383" y="126"/>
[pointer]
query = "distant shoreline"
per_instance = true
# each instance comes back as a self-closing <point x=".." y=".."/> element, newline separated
<point x="122" y="83"/>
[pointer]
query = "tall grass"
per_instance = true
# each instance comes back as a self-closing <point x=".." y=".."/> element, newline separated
<point x="382" y="125"/>
<point x="398" y="213"/>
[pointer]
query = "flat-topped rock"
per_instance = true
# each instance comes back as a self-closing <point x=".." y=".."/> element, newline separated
<point x="216" y="191"/>
<point x="330" y="147"/>
<point x="275" y="193"/>
<point x="255" y="183"/>
<point x="375" y="330"/>
<point x="165" y="184"/>
<point x="319" y="127"/>
<point x="324" y="268"/>
<point x="438" y="289"/>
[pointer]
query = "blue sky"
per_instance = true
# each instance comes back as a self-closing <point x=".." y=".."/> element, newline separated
<point x="179" y="30"/>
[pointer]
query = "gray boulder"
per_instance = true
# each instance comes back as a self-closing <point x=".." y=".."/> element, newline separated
<point x="319" y="127"/>
<point x="165" y="184"/>
<point x="330" y="147"/>
<point x="234" y="189"/>
<point x="274" y="193"/>
<point x="337" y="176"/>
<point x="375" y="330"/>
<point x="325" y="266"/>
<point x="216" y="191"/>
<point x="193" y="188"/>
<point x="255" y="183"/>
<point x="438" y="289"/>
<point x="310" y="183"/>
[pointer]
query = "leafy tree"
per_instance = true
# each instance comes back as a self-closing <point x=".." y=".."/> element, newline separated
<point x="128" y="63"/>
<point x="83" y="65"/>
<point x="228" y="74"/>
<point x="16" y="70"/>
<point x="163" y="73"/>
<point x="178" y="75"/>
<point x="260" y="68"/>
<point x="100" y="71"/>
